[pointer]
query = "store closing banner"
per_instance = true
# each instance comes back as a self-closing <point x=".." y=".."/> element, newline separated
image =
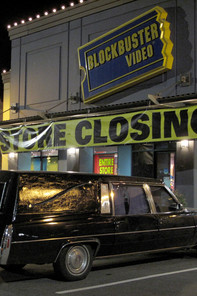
<point x="135" y="127"/>
<point x="129" y="54"/>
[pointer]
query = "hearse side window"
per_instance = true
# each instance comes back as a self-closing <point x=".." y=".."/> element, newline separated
<point x="2" y="191"/>
<point x="130" y="200"/>
<point x="59" y="196"/>
<point x="163" y="200"/>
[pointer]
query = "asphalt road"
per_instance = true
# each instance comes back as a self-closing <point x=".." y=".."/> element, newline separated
<point x="151" y="275"/>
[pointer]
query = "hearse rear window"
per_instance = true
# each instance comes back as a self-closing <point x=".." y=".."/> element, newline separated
<point x="44" y="194"/>
<point x="130" y="200"/>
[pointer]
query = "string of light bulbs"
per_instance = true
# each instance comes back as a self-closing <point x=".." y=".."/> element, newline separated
<point x="37" y="16"/>
<point x="46" y="13"/>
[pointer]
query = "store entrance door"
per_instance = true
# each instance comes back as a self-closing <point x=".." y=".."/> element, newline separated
<point x="165" y="168"/>
<point x="155" y="161"/>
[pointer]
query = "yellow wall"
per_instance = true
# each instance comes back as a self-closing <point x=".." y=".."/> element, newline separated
<point x="6" y="114"/>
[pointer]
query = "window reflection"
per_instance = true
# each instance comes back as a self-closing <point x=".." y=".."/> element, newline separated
<point x="50" y="193"/>
<point x="163" y="200"/>
<point x="130" y="200"/>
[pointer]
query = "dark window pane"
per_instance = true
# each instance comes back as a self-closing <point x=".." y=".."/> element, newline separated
<point x="130" y="200"/>
<point x="143" y="164"/>
<point x="163" y="200"/>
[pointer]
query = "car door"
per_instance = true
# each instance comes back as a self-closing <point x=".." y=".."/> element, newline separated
<point x="136" y="227"/>
<point x="176" y="226"/>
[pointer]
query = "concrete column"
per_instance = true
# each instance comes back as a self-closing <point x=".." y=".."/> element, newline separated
<point x="86" y="158"/>
<point x="124" y="160"/>
<point x="62" y="162"/>
<point x="24" y="161"/>
<point x="73" y="159"/>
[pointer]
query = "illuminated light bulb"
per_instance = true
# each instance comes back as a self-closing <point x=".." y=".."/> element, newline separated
<point x="4" y="71"/>
<point x="72" y="4"/>
<point x="184" y="144"/>
<point x="9" y="26"/>
<point x="54" y="10"/>
<point x="81" y="1"/>
<point x="12" y="155"/>
<point x="15" y="24"/>
<point x="72" y="151"/>
<point x="63" y="7"/>
<point x="37" y="16"/>
<point x="23" y="21"/>
<point x="30" y="19"/>
<point x="46" y="13"/>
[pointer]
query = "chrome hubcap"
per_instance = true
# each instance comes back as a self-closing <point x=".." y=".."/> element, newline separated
<point x="77" y="259"/>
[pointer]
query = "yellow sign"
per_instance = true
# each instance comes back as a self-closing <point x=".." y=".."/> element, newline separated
<point x="135" y="127"/>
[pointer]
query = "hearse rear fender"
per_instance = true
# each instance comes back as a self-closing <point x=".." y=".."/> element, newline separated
<point x="40" y="251"/>
<point x="94" y="243"/>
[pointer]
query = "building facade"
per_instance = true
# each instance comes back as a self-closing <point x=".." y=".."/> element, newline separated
<point x="68" y="83"/>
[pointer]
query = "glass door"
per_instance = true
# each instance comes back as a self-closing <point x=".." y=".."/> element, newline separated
<point x="165" y="166"/>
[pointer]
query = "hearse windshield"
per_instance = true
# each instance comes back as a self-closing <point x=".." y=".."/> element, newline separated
<point x="164" y="201"/>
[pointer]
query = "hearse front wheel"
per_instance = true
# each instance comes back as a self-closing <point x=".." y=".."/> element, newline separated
<point x="74" y="262"/>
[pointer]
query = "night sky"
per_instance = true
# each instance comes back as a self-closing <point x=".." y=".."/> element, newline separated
<point x="15" y="11"/>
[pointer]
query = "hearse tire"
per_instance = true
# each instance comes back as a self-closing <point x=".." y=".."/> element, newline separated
<point x="74" y="262"/>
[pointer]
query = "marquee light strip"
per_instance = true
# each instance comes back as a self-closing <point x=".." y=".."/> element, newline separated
<point x="46" y="13"/>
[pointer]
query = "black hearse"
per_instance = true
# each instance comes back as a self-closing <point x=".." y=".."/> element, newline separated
<point x="69" y="219"/>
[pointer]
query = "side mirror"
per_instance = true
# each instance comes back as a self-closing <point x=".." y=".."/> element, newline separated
<point x="175" y="207"/>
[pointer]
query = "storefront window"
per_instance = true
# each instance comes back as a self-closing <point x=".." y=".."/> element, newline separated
<point x="155" y="161"/>
<point x="44" y="160"/>
<point x="166" y="168"/>
<point x="143" y="160"/>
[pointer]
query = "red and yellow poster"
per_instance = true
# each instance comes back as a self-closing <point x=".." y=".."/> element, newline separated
<point x="104" y="164"/>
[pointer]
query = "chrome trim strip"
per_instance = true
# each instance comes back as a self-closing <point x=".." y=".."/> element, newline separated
<point x="63" y="238"/>
<point x="177" y="228"/>
<point x="154" y="230"/>
<point x="2" y="193"/>
<point x="136" y="232"/>
<point x="104" y="234"/>
<point x="92" y="236"/>
<point x="146" y="252"/>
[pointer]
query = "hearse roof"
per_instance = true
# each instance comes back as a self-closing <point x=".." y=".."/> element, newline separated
<point x="85" y="176"/>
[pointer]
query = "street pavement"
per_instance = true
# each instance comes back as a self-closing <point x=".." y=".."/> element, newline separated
<point x="148" y="275"/>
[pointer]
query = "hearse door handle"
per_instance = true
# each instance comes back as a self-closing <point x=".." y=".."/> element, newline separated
<point x="118" y="223"/>
<point x="162" y="221"/>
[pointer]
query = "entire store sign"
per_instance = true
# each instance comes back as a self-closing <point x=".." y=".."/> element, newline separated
<point x="127" y="55"/>
<point x="136" y="127"/>
<point x="104" y="164"/>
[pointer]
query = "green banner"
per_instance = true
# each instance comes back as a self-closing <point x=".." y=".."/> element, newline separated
<point x="135" y="127"/>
